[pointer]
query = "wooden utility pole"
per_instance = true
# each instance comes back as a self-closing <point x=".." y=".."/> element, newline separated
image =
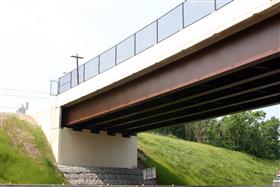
<point x="77" y="62"/>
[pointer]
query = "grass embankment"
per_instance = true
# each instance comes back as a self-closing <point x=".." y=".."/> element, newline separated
<point x="190" y="163"/>
<point x="25" y="156"/>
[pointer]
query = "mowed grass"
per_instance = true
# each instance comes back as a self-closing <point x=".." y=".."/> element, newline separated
<point x="25" y="156"/>
<point x="190" y="163"/>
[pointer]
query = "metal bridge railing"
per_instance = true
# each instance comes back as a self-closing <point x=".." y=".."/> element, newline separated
<point x="170" y="23"/>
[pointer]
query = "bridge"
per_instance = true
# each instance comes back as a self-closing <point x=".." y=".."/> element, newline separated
<point x="202" y="59"/>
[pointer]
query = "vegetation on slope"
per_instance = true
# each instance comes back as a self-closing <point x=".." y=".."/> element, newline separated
<point x="190" y="163"/>
<point x="25" y="156"/>
<point x="250" y="132"/>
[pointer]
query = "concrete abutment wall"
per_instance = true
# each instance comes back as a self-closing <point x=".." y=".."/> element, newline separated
<point x="99" y="150"/>
<point x="85" y="148"/>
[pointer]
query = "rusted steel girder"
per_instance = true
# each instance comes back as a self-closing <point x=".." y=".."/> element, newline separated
<point x="245" y="48"/>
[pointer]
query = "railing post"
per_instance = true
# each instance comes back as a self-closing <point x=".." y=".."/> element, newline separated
<point x="70" y="79"/>
<point x="115" y="55"/>
<point x="157" y="30"/>
<point x="183" y="15"/>
<point x="58" y="87"/>
<point x="84" y="76"/>
<point x="134" y="44"/>
<point x="98" y="64"/>
<point x="215" y="5"/>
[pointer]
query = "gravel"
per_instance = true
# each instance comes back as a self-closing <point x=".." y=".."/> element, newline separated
<point x="77" y="175"/>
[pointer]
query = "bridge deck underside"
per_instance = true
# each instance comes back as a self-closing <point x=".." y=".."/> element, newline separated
<point x="251" y="81"/>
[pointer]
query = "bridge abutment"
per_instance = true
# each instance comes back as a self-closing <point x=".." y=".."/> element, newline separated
<point x="83" y="148"/>
<point x="99" y="150"/>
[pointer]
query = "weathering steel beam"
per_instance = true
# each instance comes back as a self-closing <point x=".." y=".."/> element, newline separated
<point x="148" y="109"/>
<point x="246" y="48"/>
<point x="198" y="104"/>
<point x="199" y="107"/>
<point x="173" y="106"/>
<point x="252" y="104"/>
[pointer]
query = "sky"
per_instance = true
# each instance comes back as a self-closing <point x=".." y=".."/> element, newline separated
<point x="37" y="38"/>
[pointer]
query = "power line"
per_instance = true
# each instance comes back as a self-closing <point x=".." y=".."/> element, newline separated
<point x="8" y="107"/>
<point x="27" y="91"/>
<point x="22" y="96"/>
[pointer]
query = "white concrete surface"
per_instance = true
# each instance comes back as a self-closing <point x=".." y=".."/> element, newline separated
<point x="86" y="149"/>
<point x="99" y="150"/>
<point x="49" y="119"/>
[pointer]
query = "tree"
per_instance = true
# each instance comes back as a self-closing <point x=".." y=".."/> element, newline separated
<point x="215" y="134"/>
<point x="245" y="131"/>
<point x="178" y="131"/>
<point x="270" y="137"/>
<point x="198" y="131"/>
<point x="241" y="132"/>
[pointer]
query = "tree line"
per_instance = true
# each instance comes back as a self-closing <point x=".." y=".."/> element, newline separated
<point x="247" y="132"/>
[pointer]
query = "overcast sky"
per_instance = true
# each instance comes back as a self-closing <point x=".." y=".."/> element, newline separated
<point x="37" y="38"/>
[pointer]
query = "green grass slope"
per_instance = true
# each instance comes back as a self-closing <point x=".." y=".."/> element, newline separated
<point x="25" y="156"/>
<point x="189" y="163"/>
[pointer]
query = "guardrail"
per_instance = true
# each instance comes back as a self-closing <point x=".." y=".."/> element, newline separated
<point x="170" y="23"/>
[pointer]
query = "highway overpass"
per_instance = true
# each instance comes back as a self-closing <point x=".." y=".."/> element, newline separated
<point x="200" y="60"/>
